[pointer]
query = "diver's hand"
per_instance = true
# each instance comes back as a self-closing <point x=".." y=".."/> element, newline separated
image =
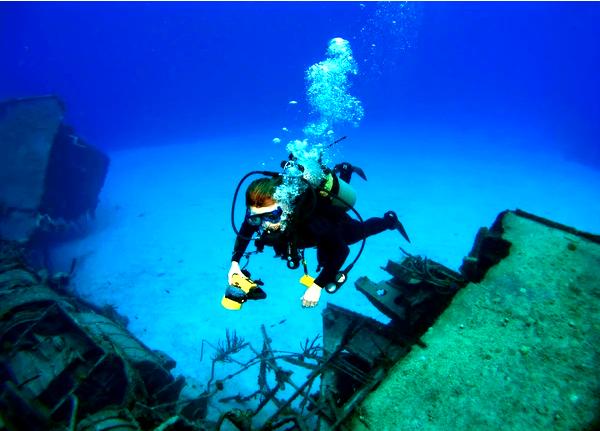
<point x="234" y="269"/>
<point x="311" y="296"/>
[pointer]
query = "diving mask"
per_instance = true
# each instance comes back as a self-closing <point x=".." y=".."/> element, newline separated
<point x="257" y="219"/>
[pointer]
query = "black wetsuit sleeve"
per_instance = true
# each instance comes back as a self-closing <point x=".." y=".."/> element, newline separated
<point x="242" y="241"/>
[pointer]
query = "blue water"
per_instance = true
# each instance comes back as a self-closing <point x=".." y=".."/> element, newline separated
<point x="146" y="72"/>
<point x="469" y="109"/>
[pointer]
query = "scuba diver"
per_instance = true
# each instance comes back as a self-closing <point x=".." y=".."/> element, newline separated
<point x="318" y="217"/>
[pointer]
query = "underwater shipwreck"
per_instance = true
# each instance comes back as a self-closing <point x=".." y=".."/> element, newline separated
<point x="509" y="341"/>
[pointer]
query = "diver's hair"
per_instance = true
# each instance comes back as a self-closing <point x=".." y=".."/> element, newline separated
<point x="260" y="192"/>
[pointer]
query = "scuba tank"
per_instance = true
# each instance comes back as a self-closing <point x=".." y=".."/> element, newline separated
<point x="332" y="187"/>
<point x="339" y="192"/>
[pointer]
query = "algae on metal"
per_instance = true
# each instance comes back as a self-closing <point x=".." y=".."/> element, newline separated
<point x="520" y="350"/>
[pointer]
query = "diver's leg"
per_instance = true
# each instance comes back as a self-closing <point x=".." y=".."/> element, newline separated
<point x="354" y="231"/>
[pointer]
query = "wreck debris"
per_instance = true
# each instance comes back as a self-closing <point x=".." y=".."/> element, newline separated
<point x="420" y="289"/>
<point x="362" y="350"/>
<point x="517" y="350"/>
<point x="50" y="178"/>
<point x="355" y="355"/>
<point x="266" y="360"/>
<point x="488" y="249"/>
<point x="64" y="366"/>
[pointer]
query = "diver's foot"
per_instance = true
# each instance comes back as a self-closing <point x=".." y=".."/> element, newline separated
<point x="395" y="224"/>
<point x="345" y="171"/>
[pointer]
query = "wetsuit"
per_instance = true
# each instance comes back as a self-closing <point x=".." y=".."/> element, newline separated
<point x="328" y="228"/>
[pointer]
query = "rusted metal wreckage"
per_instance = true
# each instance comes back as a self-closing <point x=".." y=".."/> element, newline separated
<point x="50" y="178"/>
<point x="66" y="365"/>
